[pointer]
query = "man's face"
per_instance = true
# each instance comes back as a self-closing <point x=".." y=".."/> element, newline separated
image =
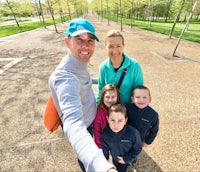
<point x="82" y="46"/>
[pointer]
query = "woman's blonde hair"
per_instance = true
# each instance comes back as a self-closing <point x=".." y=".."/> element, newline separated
<point x="108" y="87"/>
<point x="114" y="33"/>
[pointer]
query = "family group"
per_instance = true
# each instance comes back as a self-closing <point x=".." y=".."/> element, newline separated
<point x="118" y="122"/>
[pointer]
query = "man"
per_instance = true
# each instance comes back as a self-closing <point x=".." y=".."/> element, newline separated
<point x="71" y="88"/>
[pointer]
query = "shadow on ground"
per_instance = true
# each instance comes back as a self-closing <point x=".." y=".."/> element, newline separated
<point x="146" y="164"/>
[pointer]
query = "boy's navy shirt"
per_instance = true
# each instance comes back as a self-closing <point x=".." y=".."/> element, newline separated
<point x="126" y="143"/>
<point x="146" y="120"/>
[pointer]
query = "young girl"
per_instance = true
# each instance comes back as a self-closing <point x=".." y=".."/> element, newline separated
<point x="109" y="96"/>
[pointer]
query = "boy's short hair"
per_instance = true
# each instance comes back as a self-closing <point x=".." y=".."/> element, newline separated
<point x="141" y="87"/>
<point x="118" y="107"/>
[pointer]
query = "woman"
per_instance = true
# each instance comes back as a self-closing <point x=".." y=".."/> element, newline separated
<point x="112" y="68"/>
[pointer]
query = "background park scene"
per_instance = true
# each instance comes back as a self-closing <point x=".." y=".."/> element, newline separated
<point x="32" y="45"/>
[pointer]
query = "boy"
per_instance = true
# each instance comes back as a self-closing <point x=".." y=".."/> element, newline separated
<point x="120" y="139"/>
<point x="142" y="116"/>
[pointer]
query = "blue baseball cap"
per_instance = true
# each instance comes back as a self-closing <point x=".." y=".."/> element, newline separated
<point x="79" y="26"/>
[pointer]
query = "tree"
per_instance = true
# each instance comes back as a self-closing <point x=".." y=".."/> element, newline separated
<point x="107" y="11"/>
<point x="42" y="14"/>
<point x="168" y="9"/>
<point x="131" y="14"/>
<point x="13" y="13"/>
<point x="69" y="12"/>
<point x="120" y="9"/>
<point x="60" y="11"/>
<point x="38" y="11"/>
<point x="188" y="21"/>
<point x="176" y="19"/>
<point x="52" y="14"/>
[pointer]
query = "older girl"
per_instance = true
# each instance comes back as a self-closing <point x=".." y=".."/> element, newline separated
<point x="109" y="96"/>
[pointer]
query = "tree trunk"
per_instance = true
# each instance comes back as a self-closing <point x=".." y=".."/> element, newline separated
<point x="42" y="14"/>
<point x="177" y="18"/>
<point x="52" y="16"/>
<point x="167" y="10"/>
<point x="69" y="12"/>
<point x="108" y="14"/>
<point x="13" y="13"/>
<point x="188" y="21"/>
<point x="60" y="12"/>
<point x="101" y="10"/>
<point x="120" y="3"/>
<point x="131" y="14"/>
<point x="38" y="11"/>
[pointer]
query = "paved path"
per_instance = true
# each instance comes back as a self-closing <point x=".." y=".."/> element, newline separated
<point x="13" y="22"/>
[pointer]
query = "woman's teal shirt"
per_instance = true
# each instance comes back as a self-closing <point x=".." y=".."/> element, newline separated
<point x="132" y="78"/>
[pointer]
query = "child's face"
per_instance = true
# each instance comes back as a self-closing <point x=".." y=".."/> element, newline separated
<point x="110" y="98"/>
<point x="141" y="98"/>
<point x="116" y="121"/>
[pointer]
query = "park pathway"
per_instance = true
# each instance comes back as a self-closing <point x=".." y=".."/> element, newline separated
<point x="25" y="145"/>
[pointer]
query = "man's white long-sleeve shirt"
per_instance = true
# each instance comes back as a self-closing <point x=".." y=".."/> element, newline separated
<point x="71" y="88"/>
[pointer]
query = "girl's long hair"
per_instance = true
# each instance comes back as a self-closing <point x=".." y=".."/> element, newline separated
<point x="108" y="87"/>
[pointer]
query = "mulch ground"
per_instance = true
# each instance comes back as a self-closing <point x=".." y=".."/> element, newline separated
<point x="25" y="145"/>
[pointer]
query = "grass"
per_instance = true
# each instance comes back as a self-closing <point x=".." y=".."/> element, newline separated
<point x="193" y="33"/>
<point x="2" y="20"/>
<point x="13" y="29"/>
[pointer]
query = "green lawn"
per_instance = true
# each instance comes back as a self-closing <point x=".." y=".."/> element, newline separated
<point x="193" y="33"/>
<point x="13" y="29"/>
